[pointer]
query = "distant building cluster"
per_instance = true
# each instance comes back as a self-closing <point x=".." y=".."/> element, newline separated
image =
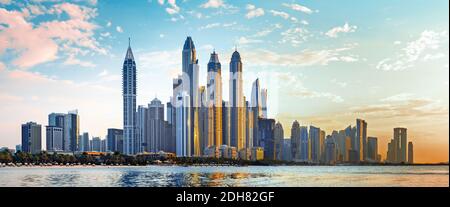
<point x="199" y="123"/>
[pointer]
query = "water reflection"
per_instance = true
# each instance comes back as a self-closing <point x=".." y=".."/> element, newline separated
<point x="226" y="176"/>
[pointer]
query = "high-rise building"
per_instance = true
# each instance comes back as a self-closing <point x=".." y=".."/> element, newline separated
<point x="410" y="153"/>
<point x="372" y="149"/>
<point x="31" y="138"/>
<point x="190" y="69"/>
<point x="330" y="157"/>
<point x="226" y="127"/>
<point x="314" y="136"/>
<point x="142" y="129"/>
<point x="264" y="102"/>
<point x="115" y="140"/>
<point x="237" y="103"/>
<point x="183" y="130"/>
<point x="278" y="138"/>
<point x="266" y="134"/>
<point x="84" y="142"/>
<point x="250" y="126"/>
<point x="155" y="125"/>
<point x="103" y="146"/>
<point x="214" y="101"/>
<point x="203" y="120"/>
<point x="287" y="153"/>
<point x="256" y="107"/>
<point x="295" y="141"/>
<point x="305" y="144"/>
<point x="54" y="138"/>
<point x="70" y="125"/>
<point x="400" y="140"/>
<point x="96" y="144"/>
<point x="129" y="103"/>
<point x="361" y="139"/>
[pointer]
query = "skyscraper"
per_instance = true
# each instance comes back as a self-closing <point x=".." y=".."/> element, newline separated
<point x="190" y="69"/>
<point x="264" y="102"/>
<point x="115" y="140"/>
<point x="266" y="134"/>
<point x="71" y="131"/>
<point x="314" y="136"/>
<point x="142" y="129"/>
<point x="400" y="140"/>
<point x="155" y="125"/>
<point x="410" y="153"/>
<point x="305" y="142"/>
<point x="96" y="144"/>
<point x="203" y="120"/>
<point x="256" y="107"/>
<point x="279" y="138"/>
<point x="237" y="104"/>
<point x="372" y="149"/>
<point x="84" y="142"/>
<point x="214" y="100"/>
<point x="295" y="141"/>
<point x="31" y="138"/>
<point x="129" y="102"/>
<point x="54" y="138"/>
<point x="361" y="139"/>
<point x="183" y="130"/>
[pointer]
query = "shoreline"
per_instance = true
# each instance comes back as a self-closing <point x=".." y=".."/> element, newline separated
<point x="184" y="165"/>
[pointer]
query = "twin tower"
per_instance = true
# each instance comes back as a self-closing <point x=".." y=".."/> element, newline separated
<point x="199" y="118"/>
<point x="203" y="119"/>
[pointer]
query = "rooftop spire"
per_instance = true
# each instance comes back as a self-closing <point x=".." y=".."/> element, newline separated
<point x="129" y="54"/>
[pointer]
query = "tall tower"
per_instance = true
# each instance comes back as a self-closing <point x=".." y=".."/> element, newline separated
<point x="214" y="101"/>
<point x="361" y="139"/>
<point x="410" y="153"/>
<point x="237" y="105"/>
<point x="155" y="126"/>
<point x="256" y="107"/>
<point x="190" y="69"/>
<point x="129" y="102"/>
<point x="278" y="139"/>
<point x="400" y="140"/>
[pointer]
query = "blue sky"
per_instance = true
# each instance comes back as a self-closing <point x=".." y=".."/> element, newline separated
<point x="324" y="63"/>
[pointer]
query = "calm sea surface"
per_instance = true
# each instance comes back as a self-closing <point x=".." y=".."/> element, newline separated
<point x="227" y="176"/>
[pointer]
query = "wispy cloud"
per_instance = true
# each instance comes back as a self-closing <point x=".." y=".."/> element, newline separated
<point x="253" y="12"/>
<point x="334" y="32"/>
<point x="429" y="41"/>
<point x="298" y="7"/>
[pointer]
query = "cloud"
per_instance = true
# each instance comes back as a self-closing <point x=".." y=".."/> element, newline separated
<point x="213" y="4"/>
<point x="72" y="60"/>
<point x="262" y="57"/>
<point x="296" y="88"/>
<point x="429" y="41"/>
<point x="119" y="29"/>
<point x="403" y="105"/>
<point x="267" y="30"/>
<point x="108" y="24"/>
<point x="294" y="36"/>
<point x="34" y="44"/>
<point x="298" y="7"/>
<point x="245" y="41"/>
<point x="209" y="26"/>
<point x="253" y="12"/>
<point x="281" y="14"/>
<point x="341" y="29"/>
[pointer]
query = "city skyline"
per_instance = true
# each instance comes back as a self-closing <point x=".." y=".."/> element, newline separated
<point x="379" y="114"/>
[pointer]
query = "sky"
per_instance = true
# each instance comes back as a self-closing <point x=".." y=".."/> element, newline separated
<point x="324" y="63"/>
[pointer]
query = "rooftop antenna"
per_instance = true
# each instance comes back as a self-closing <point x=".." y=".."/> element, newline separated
<point x="129" y="42"/>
